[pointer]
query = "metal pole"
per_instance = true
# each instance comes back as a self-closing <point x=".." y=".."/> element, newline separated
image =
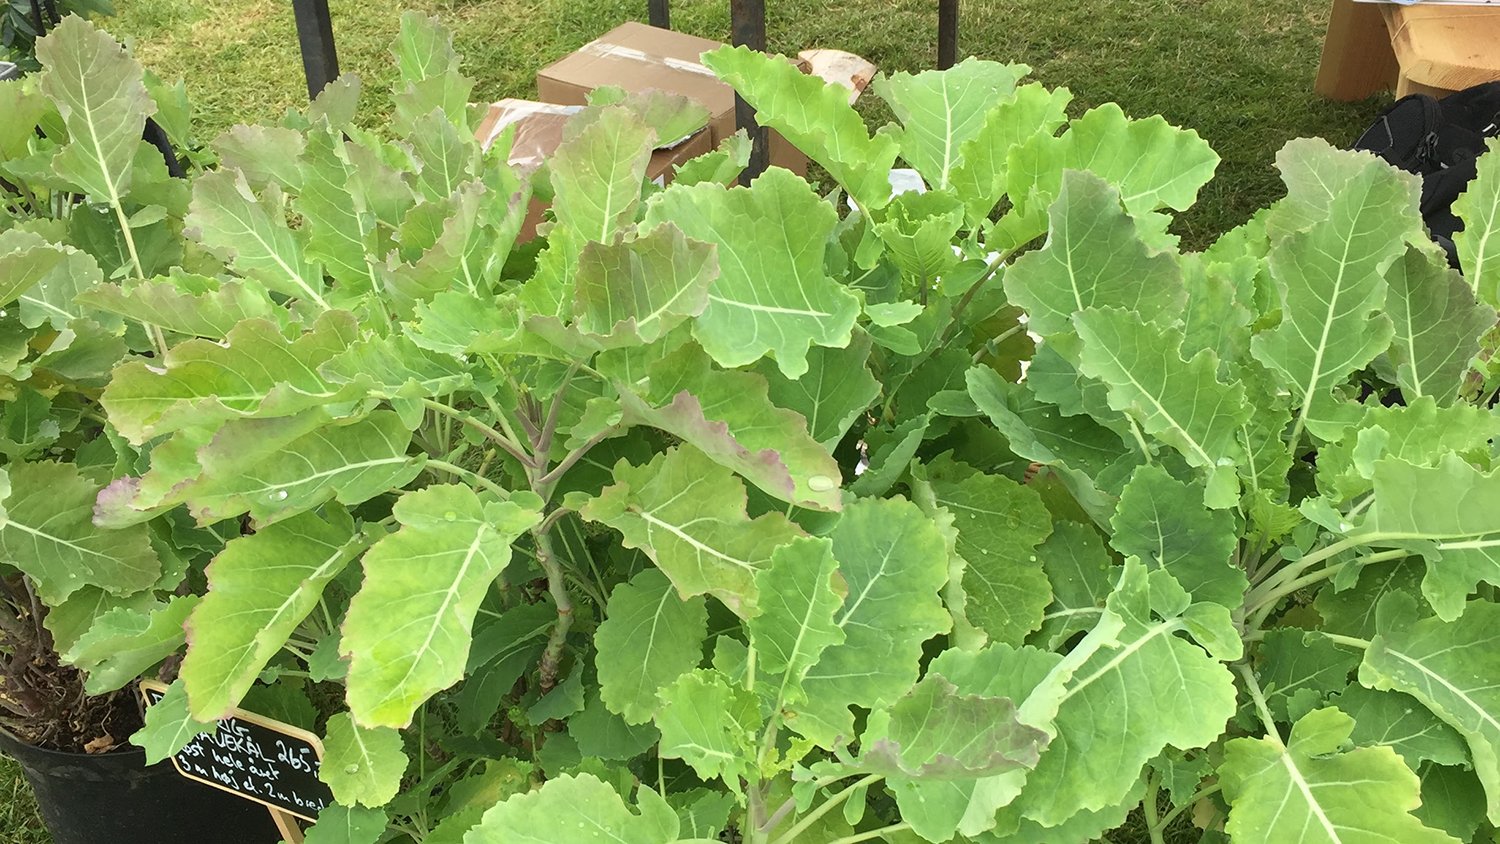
<point x="315" y="32"/>
<point x="947" y="34"/>
<point x="747" y="20"/>
<point x="661" y="13"/>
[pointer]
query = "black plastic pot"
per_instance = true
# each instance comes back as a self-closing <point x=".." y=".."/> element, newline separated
<point x="114" y="798"/>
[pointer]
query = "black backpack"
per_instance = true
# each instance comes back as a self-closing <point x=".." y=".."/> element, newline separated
<point x="1438" y="140"/>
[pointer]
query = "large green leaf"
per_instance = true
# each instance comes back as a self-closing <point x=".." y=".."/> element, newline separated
<point x="728" y="416"/>
<point x="1307" y="792"/>
<point x="1122" y="705"/>
<point x="1094" y="258"/>
<point x="256" y="372"/>
<point x="799" y="596"/>
<point x="347" y="825"/>
<point x="124" y="642"/>
<point x="936" y="808"/>
<point x="999" y="523"/>
<point x="432" y="573"/>
<point x="638" y="290"/>
<point x="252" y="236"/>
<point x="1401" y="723"/>
<point x="1331" y="286"/>
<point x="688" y="514"/>
<point x="1076" y="447"/>
<point x="1451" y="513"/>
<point x="265" y="154"/>
<point x="1449" y="667"/>
<point x="45" y="277"/>
<point x="937" y="733"/>
<point x="1154" y="164"/>
<point x="169" y="727"/>
<point x="709" y="724"/>
<point x="275" y="468"/>
<point x="47" y="531"/>
<point x="1298" y="666"/>
<point x="979" y="178"/>
<point x="1438" y="324"/>
<point x="97" y="89"/>
<point x="941" y="110"/>
<point x="359" y="765"/>
<point x="1164" y="522"/>
<point x="340" y="228"/>
<point x="260" y="587"/>
<point x="650" y="638"/>
<point x="598" y="175"/>
<point x="773" y="294"/>
<point x="192" y="305"/>
<point x="1479" y="242"/>
<point x="577" y="809"/>
<point x="894" y="561"/>
<point x="836" y="389"/>
<point x="1082" y="575"/>
<point x="815" y="117"/>
<point x="1180" y="401"/>
<point x="428" y="67"/>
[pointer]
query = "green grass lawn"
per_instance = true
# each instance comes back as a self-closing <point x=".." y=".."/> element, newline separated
<point x="1239" y="72"/>
<point x="19" y="822"/>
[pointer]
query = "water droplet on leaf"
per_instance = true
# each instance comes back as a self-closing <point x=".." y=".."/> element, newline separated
<point x="449" y="516"/>
<point x="351" y="769"/>
<point x="820" y="483"/>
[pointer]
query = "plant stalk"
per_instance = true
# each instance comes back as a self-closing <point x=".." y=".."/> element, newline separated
<point x="546" y="557"/>
<point x="469" y="476"/>
<point x="828" y="805"/>
<point x="511" y="447"/>
<point x="874" y="833"/>
<point x="1154" y="824"/>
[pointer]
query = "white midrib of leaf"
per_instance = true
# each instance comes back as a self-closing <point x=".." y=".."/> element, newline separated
<point x="49" y="306"/>
<point x="947" y="139"/>
<point x="687" y="538"/>
<point x="291" y="275"/>
<point x="93" y="132"/>
<point x="1307" y="794"/>
<point x="1172" y="422"/>
<point x="1479" y="248"/>
<point x="1452" y="689"/>
<point x="1158" y="629"/>
<point x="1411" y="351"/>
<point x="6" y="522"/>
<point x="1317" y="367"/>
<point x="642" y="692"/>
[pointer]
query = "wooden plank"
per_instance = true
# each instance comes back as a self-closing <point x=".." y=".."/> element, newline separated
<point x="747" y="20"/>
<point x="1442" y="49"/>
<point x="320" y="62"/>
<point x="1357" y="57"/>
<point x="660" y="12"/>
<point x="947" y="34"/>
<point x="286" y="824"/>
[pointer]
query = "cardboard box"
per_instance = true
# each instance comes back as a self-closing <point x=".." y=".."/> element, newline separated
<point x="539" y="132"/>
<point x="638" y="57"/>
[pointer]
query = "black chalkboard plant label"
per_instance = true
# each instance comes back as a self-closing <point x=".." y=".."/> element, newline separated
<point x="257" y="758"/>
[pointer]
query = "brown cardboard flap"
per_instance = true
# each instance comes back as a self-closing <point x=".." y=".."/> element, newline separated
<point x="836" y="66"/>
<point x="638" y="57"/>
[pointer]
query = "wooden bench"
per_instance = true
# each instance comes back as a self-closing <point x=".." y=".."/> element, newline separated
<point x="1427" y="49"/>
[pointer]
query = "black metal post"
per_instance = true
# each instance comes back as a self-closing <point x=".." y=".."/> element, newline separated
<point x="315" y="32"/>
<point x="661" y="13"/>
<point x="947" y="34"/>
<point x="747" y="20"/>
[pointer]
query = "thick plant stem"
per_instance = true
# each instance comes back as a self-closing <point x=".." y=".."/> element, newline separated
<point x="472" y="478"/>
<point x="557" y="585"/>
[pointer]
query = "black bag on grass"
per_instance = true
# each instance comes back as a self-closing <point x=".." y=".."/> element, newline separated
<point x="1439" y="141"/>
